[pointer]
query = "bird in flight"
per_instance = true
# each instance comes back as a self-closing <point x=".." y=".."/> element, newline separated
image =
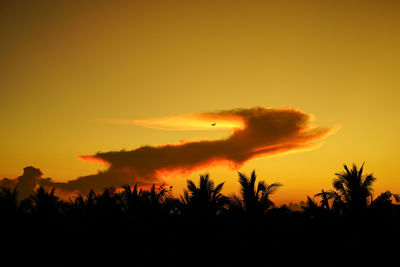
<point x="213" y="123"/>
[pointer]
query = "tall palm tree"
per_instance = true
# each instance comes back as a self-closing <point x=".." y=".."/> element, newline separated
<point x="354" y="188"/>
<point x="256" y="200"/>
<point x="204" y="200"/>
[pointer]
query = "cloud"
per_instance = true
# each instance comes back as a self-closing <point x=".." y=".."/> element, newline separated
<point x="26" y="183"/>
<point x="256" y="132"/>
<point x="8" y="183"/>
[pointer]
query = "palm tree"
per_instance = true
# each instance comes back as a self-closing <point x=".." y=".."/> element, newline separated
<point x="256" y="200"/>
<point x="107" y="204"/>
<point x="354" y="188"/>
<point x="311" y="208"/>
<point x="153" y="201"/>
<point x="130" y="199"/>
<point x="235" y="205"/>
<point x="319" y="212"/>
<point x="325" y="197"/>
<point x="45" y="203"/>
<point x="384" y="202"/>
<point x="77" y="207"/>
<point x="83" y="207"/>
<point x="205" y="201"/>
<point x="9" y="202"/>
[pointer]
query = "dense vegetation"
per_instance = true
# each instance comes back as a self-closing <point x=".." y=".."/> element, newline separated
<point x="344" y="225"/>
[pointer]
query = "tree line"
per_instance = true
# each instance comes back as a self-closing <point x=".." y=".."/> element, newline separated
<point x="351" y="196"/>
<point x="151" y="227"/>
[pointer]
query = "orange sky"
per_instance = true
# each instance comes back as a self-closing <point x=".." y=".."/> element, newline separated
<point x="70" y="70"/>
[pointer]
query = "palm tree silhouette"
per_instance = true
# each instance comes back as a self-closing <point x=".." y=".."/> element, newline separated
<point x="84" y="207"/>
<point x="256" y="200"/>
<point x="335" y="198"/>
<point x="130" y="199"/>
<point x="325" y="197"/>
<point x="354" y="188"/>
<point x="315" y="211"/>
<point x="235" y="205"/>
<point x="153" y="201"/>
<point x="311" y="207"/>
<point x="384" y="201"/>
<point x="45" y="203"/>
<point x="205" y="201"/>
<point x="107" y="204"/>
<point x="9" y="202"/>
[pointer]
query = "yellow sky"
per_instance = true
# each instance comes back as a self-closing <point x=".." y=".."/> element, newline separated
<point x="69" y="68"/>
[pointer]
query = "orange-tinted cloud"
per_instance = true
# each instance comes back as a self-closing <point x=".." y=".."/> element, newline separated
<point x="256" y="132"/>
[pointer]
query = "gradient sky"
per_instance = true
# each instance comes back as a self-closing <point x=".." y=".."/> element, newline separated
<point x="68" y="68"/>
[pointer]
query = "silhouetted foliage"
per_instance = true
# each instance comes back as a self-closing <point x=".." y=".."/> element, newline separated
<point x="383" y="204"/>
<point x="354" y="188"/>
<point x="256" y="200"/>
<point x="9" y="205"/>
<point x="204" y="201"/>
<point x="325" y="196"/>
<point x="130" y="200"/>
<point x="45" y="203"/>
<point x="145" y="222"/>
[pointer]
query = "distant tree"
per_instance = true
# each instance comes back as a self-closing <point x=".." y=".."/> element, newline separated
<point x="256" y="200"/>
<point x="76" y="207"/>
<point x="337" y="207"/>
<point x="315" y="211"/>
<point x="384" y="202"/>
<point x="83" y="207"/>
<point x="9" y="207"/>
<point x="235" y="205"/>
<point x="153" y="201"/>
<point x="107" y="204"/>
<point x="205" y="200"/>
<point x="354" y="188"/>
<point x="45" y="203"/>
<point x="311" y="207"/>
<point x="130" y="200"/>
<point x="325" y="197"/>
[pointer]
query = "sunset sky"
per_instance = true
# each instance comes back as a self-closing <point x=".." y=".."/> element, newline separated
<point x="82" y="77"/>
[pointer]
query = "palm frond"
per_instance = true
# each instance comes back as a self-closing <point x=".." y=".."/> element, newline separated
<point x="273" y="187"/>
<point x="218" y="188"/>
